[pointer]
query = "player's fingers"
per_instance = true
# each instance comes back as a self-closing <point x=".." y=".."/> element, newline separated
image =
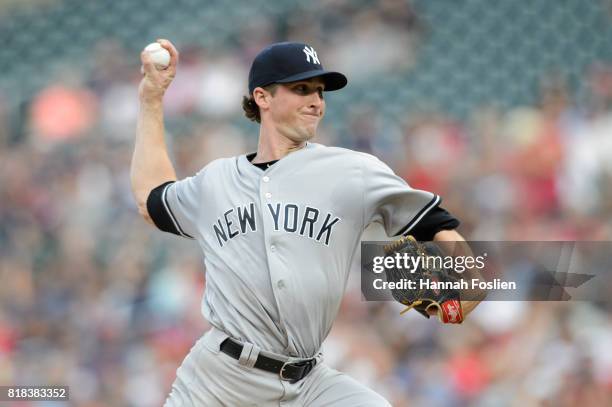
<point x="148" y="68"/>
<point x="174" y="54"/>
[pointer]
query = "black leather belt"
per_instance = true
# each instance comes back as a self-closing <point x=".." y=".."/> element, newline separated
<point x="291" y="372"/>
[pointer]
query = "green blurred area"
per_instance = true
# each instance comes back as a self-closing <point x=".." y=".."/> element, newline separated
<point x="470" y="52"/>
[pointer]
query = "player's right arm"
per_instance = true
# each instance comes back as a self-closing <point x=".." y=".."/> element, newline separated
<point x="151" y="165"/>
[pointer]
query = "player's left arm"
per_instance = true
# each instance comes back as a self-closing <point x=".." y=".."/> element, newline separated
<point x="453" y="242"/>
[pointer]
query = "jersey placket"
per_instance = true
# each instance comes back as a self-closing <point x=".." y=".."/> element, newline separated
<point x="278" y="276"/>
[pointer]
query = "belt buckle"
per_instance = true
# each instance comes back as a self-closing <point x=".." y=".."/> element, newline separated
<point x="287" y="379"/>
<point x="305" y="363"/>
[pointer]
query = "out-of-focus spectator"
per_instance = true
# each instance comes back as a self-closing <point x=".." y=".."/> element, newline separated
<point x="62" y="113"/>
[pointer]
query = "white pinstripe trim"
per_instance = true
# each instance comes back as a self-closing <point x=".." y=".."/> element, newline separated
<point x="169" y="211"/>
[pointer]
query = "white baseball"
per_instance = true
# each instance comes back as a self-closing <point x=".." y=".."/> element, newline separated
<point x="159" y="55"/>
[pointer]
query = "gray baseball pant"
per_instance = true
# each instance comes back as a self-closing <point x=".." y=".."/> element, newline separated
<point x="209" y="377"/>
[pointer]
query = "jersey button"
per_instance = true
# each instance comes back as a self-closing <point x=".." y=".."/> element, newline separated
<point x="266" y="179"/>
<point x="268" y="195"/>
<point x="273" y="248"/>
<point x="281" y="284"/>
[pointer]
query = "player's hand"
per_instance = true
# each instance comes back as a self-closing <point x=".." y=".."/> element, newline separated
<point x="155" y="82"/>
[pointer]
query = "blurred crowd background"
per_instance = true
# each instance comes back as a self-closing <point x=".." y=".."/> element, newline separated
<point x="503" y="108"/>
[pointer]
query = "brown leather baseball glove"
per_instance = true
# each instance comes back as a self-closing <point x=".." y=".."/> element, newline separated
<point x="435" y="289"/>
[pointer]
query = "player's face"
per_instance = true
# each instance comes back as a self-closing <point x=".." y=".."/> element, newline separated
<point x="297" y="108"/>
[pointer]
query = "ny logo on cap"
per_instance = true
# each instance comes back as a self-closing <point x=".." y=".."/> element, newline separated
<point x="310" y="52"/>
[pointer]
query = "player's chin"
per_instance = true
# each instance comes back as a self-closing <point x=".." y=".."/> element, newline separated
<point x="307" y="132"/>
<point x="310" y="129"/>
<point x="310" y="133"/>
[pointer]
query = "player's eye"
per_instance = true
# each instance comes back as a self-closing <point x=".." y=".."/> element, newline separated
<point x="304" y="89"/>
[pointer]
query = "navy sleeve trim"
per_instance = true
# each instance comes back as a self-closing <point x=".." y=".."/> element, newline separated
<point x="436" y="220"/>
<point x="435" y="201"/>
<point x="160" y="212"/>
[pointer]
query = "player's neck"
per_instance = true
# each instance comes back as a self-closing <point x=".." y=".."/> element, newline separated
<point x="274" y="146"/>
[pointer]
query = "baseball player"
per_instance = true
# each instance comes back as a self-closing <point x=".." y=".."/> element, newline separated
<point x="278" y="229"/>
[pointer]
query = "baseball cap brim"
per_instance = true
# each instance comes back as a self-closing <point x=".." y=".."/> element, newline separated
<point x="332" y="80"/>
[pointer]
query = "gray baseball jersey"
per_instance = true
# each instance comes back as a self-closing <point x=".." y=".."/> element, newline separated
<point x="278" y="243"/>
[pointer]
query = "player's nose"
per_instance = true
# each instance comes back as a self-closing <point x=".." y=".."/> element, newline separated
<point x="315" y="101"/>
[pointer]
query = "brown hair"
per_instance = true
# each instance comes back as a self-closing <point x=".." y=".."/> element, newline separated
<point x="251" y="110"/>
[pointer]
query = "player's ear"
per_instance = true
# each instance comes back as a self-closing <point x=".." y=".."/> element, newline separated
<point x="261" y="97"/>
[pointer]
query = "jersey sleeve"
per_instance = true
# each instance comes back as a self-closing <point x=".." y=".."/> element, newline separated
<point x="174" y="206"/>
<point x="390" y="201"/>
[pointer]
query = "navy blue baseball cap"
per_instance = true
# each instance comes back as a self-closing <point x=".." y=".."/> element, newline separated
<point x="285" y="62"/>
